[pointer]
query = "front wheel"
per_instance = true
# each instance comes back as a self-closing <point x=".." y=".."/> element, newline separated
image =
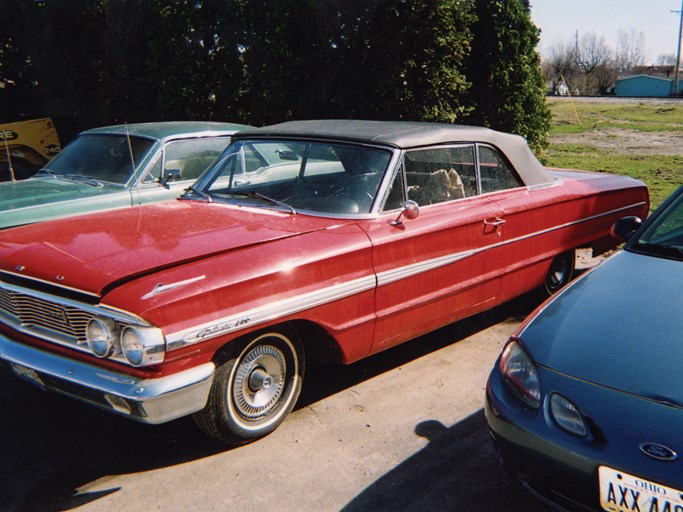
<point x="253" y="393"/>
<point x="560" y="272"/>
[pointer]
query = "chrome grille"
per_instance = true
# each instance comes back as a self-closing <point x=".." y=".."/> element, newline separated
<point x="59" y="322"/>
<point x="58" y="319"/>
<point x="66" y="320"/>
<point x="7" y="303"/>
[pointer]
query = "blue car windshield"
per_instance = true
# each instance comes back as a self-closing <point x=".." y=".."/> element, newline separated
<point x="111" y="157"/>
<point x="664" y="236"/>
<point x="294" y="175"/>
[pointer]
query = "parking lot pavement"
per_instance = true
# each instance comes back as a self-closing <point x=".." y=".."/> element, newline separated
<point x="403" y="430"/>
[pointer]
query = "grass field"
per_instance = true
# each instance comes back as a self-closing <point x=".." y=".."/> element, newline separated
<point x="642" y="139"/>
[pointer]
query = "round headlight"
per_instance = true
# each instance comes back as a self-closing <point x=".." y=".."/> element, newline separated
<point x="132" y="345"/>
<point x="100" y="333"/>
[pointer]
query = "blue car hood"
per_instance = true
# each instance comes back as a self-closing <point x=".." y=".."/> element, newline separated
<point x="620" y="326"/>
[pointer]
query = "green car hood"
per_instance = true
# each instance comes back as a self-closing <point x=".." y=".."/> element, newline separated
<point x="39" y="199"/>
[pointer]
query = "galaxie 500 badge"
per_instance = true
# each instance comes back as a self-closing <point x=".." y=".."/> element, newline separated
<point x="215" y="330"/>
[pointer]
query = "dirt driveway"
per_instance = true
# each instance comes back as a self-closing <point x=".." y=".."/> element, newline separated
<point x="403" y="430"/>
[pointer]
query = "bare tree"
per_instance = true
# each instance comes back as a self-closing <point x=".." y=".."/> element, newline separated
<point x="667" y="60"/>
<point x="593" y="52"/>
<point x="630" y="50"/>
<point x="560" y="67"/>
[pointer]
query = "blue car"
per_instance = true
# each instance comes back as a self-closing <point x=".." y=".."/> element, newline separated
<point x="585" y="403"/>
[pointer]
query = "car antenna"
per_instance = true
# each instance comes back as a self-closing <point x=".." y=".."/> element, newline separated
<point x="9" y="158"/>
<point x="130" y="148"/>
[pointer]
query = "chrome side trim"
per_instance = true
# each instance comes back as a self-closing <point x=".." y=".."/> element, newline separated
<point x="566" y="225"/>
<point x="268" y="312"/>
<point x="146" y="400"/>
<point x="397" y="274"/>
<point x="302" y="302"/>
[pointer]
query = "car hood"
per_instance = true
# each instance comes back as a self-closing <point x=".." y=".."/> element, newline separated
<point x="619" y="326"/>
<point x="96" y="252"/>
<point x="42" y="191"/>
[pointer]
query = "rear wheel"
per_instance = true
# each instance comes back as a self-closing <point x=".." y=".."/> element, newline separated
<point x="560" y="272"/>
<point x="253" y="393"/>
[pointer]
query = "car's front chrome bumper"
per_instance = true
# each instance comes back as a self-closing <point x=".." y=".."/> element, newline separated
<point x="146" y="400"/>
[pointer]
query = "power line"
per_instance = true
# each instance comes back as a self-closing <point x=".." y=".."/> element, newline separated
<point x="678" y="53"/>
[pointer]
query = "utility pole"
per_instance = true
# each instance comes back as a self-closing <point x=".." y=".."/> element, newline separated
<point x="678" y="53"/>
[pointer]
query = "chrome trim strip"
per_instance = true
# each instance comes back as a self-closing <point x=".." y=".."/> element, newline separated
<point x="390" y="276"/>
<point x="160" y="288"/>
<point x="566" y="225"/>
<point x="146" y="400"/>
<point x="397" y="274"/>
<point x="37" y="280"/>
<point x="268" y="312"/>
<point x="302" y="302"/>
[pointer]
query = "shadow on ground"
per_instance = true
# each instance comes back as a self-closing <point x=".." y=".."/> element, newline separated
<point x="456" y="471"/>
<point x="51" y="446"/>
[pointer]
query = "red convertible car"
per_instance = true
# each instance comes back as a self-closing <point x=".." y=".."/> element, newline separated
<point x="305" y="241"/>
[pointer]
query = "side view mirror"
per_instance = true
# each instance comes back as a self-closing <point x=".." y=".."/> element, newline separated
<point x="170" y="175"/>
<point x="626" y="227"/>
<point x="410" y="211"/>
<point x="287" y="155"/>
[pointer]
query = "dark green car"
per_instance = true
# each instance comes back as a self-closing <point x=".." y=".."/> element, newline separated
<point x="116" y="167"/>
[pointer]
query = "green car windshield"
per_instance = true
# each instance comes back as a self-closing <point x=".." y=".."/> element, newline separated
<point x="311" y="176"/>
<point x="112" y="158"/>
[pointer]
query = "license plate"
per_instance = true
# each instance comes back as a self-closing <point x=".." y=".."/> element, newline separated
<point x="621" y="492"/>
<point x="27" y="374"/>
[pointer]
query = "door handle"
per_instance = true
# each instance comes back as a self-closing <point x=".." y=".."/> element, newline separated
<point x="495" y="223"/>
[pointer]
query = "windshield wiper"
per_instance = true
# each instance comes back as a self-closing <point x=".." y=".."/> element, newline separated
<point x="266" y="198"/>
<point x="79" y="177"/>
<point x="191" y="190"/>
<point x="45" y="171"/>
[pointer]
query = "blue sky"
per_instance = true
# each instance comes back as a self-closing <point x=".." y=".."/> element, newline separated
<point x="560" y="19"/>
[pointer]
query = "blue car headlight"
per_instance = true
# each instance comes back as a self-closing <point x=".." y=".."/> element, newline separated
<point x="567" y="416"/>
<point x="520" y="375"/>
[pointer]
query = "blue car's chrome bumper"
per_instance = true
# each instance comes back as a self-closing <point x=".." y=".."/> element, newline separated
<point x="146" y="400"/>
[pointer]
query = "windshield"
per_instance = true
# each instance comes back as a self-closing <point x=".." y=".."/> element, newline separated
<point x="101" y="157"/>
<point x="322" y="177"/>
<point x="664" y="236"/>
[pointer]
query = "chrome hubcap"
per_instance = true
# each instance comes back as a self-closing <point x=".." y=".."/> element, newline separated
<point x="259" y="381"/>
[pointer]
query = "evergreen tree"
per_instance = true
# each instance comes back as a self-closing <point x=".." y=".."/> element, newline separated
<point x="95" y="62"/>
<point x="509" y="90"/>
